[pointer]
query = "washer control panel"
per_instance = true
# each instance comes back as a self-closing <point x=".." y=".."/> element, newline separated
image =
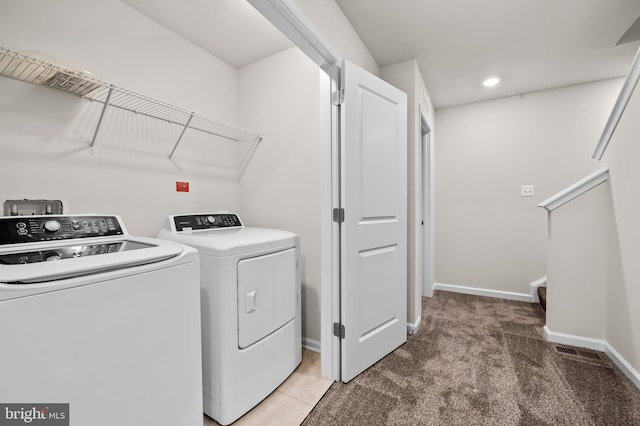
<point x="69" y="251"/>
<point x="207" y="221"/>
<point x="31" y="229"/>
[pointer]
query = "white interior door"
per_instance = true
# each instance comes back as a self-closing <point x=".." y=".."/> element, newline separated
<point x="373" y="188"/>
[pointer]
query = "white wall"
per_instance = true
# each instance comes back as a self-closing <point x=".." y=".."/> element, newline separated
<point x="46" y="134"/>
<point x="281" y="185"/>
<point x="487" y="236"/>
<point x="594" y="241"/>
<point x="623" y="315"/>
<point x="576" y="269"/>
<point x="407" y="77"/>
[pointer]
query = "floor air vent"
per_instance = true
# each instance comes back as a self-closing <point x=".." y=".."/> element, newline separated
<point x="591" y="355"/>
<point x="566" y="350"/>
<point x="585" y="354"/>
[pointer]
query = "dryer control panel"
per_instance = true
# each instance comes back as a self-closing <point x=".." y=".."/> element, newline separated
<point x="207" y="221"/>
<point x="31" y="229"/>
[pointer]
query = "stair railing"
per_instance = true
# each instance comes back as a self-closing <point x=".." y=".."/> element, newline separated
<point x="618" y="109"/>
<point x="575" y="190"/>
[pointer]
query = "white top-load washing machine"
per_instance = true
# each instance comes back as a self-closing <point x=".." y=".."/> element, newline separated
<point x="97" y="327"/>
<point x="251" y="325"/>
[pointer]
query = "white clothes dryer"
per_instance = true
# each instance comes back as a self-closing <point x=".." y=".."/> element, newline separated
<point x="250" y="294"/>
<point x="100" y="320"/>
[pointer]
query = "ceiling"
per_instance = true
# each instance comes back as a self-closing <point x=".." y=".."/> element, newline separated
<point x="530" y="45"/>
<point x="231" y="30"/>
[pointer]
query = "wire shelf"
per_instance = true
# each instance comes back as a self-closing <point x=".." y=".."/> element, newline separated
<point x="36" y="71"/>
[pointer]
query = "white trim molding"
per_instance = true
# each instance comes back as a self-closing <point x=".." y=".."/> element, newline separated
<point x="596" y="345"/>
<point x="412" y="328"/>
<point x="580" y="187"/>
<point x="288" y="18"/>
<point x="618" y="108"/>
<point x="533" y="288"/>
<point x="572" y="340"/>
<point x="521" y="297"/>
<point x="312" y="345"/>
<point x="631" y="373"/>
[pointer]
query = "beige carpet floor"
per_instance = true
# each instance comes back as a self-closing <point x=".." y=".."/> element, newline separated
<point x="482" y="361"/>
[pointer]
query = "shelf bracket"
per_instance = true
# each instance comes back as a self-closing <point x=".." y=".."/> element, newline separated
<point x="184" y="129"/>
<point x="104" y="108"/>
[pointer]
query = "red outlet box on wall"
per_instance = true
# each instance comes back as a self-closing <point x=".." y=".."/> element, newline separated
<point x="182" y="186"/>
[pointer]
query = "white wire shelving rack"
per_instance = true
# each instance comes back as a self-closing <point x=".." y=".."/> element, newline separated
<point x="40" y="72"/>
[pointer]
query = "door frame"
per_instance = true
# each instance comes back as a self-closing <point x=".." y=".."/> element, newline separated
<point x="425" y="199"/>
<point x="330" y="305"/>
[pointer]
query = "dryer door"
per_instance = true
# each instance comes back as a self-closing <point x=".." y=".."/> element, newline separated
<point x="267" y="295"/>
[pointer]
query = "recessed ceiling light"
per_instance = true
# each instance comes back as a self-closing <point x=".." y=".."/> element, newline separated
<point x="490" y="82"/>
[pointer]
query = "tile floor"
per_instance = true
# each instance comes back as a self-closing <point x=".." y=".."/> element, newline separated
<point x="290" y="403"/>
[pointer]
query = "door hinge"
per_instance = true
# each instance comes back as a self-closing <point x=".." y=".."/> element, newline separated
<point x="337" y="97"/>
<point x="338" y="330"/>
<point x="338" y="215"/>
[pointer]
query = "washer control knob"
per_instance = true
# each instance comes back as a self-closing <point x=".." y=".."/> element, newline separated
<point x="211" y="219"/>
<point x="52" y="225"/>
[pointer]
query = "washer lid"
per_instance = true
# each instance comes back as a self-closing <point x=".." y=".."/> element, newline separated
<point x="52" y="261"/>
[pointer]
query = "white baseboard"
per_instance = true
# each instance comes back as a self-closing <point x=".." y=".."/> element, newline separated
<point x="521" y="297"/>
<point x="312" y="345"/>
<point x="573" y="340"/>
<point x="596" y="345"/>
<point x="413" y="327"/>
<point x="533" y="288"/>
<point x="631" y="373"/>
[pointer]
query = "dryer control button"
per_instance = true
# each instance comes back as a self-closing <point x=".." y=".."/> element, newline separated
<point x="52" y="225"/>
<point x="211" y="219"/>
